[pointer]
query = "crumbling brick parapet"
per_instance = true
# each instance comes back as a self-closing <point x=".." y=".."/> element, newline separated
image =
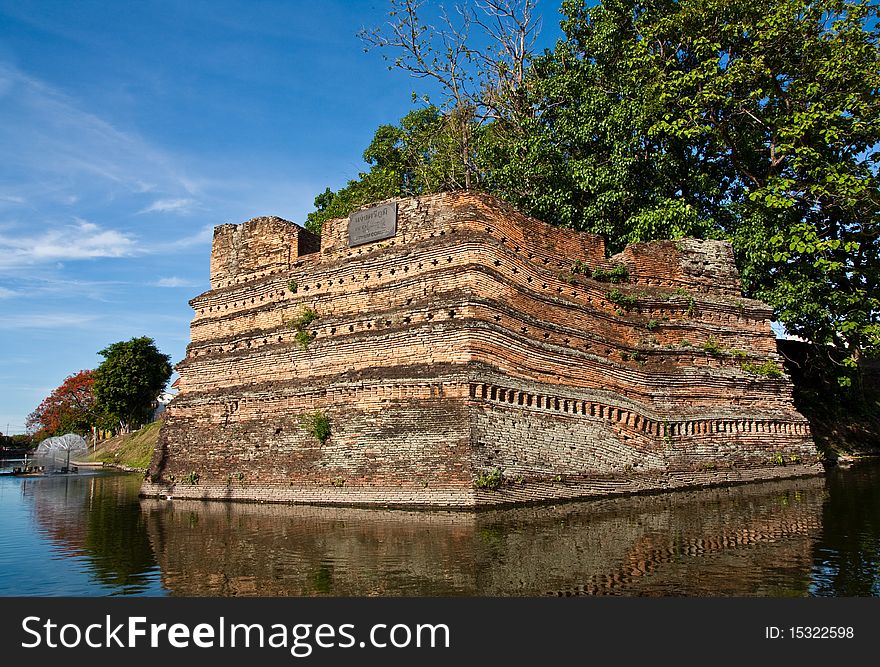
<point x="471" y="342"/>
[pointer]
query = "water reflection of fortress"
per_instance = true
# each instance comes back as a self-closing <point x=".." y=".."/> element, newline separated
<point x="707" y="542"/>
<point x="93" y="517"/>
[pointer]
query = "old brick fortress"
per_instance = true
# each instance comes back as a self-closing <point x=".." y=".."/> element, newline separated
<point x="472" y="341"/>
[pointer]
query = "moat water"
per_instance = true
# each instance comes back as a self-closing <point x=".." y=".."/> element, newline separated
<point x="89" y="534"/>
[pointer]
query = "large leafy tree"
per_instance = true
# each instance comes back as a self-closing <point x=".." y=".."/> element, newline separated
<point x="70" y="408"/>
<point x="784" y="95"/>
<point x="752" y="120"/>
<point x="416" y="156"/>
<point x="130" y="379"/>
<point x="588" y="158"/>
<point x="756" y="120"/>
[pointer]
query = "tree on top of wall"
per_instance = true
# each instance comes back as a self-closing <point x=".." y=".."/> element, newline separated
<point x="751" y="120"/>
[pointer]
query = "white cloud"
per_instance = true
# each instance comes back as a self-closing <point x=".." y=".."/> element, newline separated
<point x="42" y="286"/>
<point x="46" y="321"/>
<point x="54" y="149"/>
<point x="7" y="293"/>
<point x="174" y="281"/>
<point x="170" y="206"/>
<point x="84" y="240"/>
<point x="203" y="237"/>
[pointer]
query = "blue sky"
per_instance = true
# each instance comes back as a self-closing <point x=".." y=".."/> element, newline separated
<point x="129" y="130"/>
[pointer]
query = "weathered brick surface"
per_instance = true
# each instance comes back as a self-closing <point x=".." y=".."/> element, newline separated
<point x="464" y="344"/>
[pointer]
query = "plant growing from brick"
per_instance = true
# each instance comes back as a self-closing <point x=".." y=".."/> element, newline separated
<point x="616" y="274"/>
<point x="625" y="301"/>
<point x="292" y="285"/>
<point x="317" y="425"/>
<point x="300" y="324"/>
<point x="489" y="480"/>
<point x="305" y="318"/>
<point x="303" y="338"/>
<point x="667" y="434"/>
<point x="767" y="369"/>
<point x="580" y="267"/>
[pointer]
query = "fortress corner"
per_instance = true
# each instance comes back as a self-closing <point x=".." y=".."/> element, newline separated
<point x="463" y="355"/>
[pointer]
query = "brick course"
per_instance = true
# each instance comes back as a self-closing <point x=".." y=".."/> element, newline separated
<point x="465" y="344"/>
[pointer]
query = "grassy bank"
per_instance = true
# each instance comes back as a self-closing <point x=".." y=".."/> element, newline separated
<point x="133" y="450"/>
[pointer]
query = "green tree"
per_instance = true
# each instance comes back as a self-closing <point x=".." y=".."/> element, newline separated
<point x="587" y="159"/>
<point x="415" y="157"/>
<point x="129" y="380"/>
<point x="753" y="120"/>
<point x="477" y="58"/>
<point x="22" y="440"/>
<point x="783" y="94"/>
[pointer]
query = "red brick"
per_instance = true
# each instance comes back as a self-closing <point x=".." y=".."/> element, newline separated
<point x="464" y="344"/>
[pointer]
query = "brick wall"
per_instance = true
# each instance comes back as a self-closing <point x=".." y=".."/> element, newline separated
<point x="475" y="339"/>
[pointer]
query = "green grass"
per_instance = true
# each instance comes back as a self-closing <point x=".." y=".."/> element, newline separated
<point x="133" y="450"/>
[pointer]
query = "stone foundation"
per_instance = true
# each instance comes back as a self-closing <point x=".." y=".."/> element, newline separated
<point x="468" y="497"/>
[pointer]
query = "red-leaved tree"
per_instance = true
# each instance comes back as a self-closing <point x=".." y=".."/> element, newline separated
<point x="68" y="409"/>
